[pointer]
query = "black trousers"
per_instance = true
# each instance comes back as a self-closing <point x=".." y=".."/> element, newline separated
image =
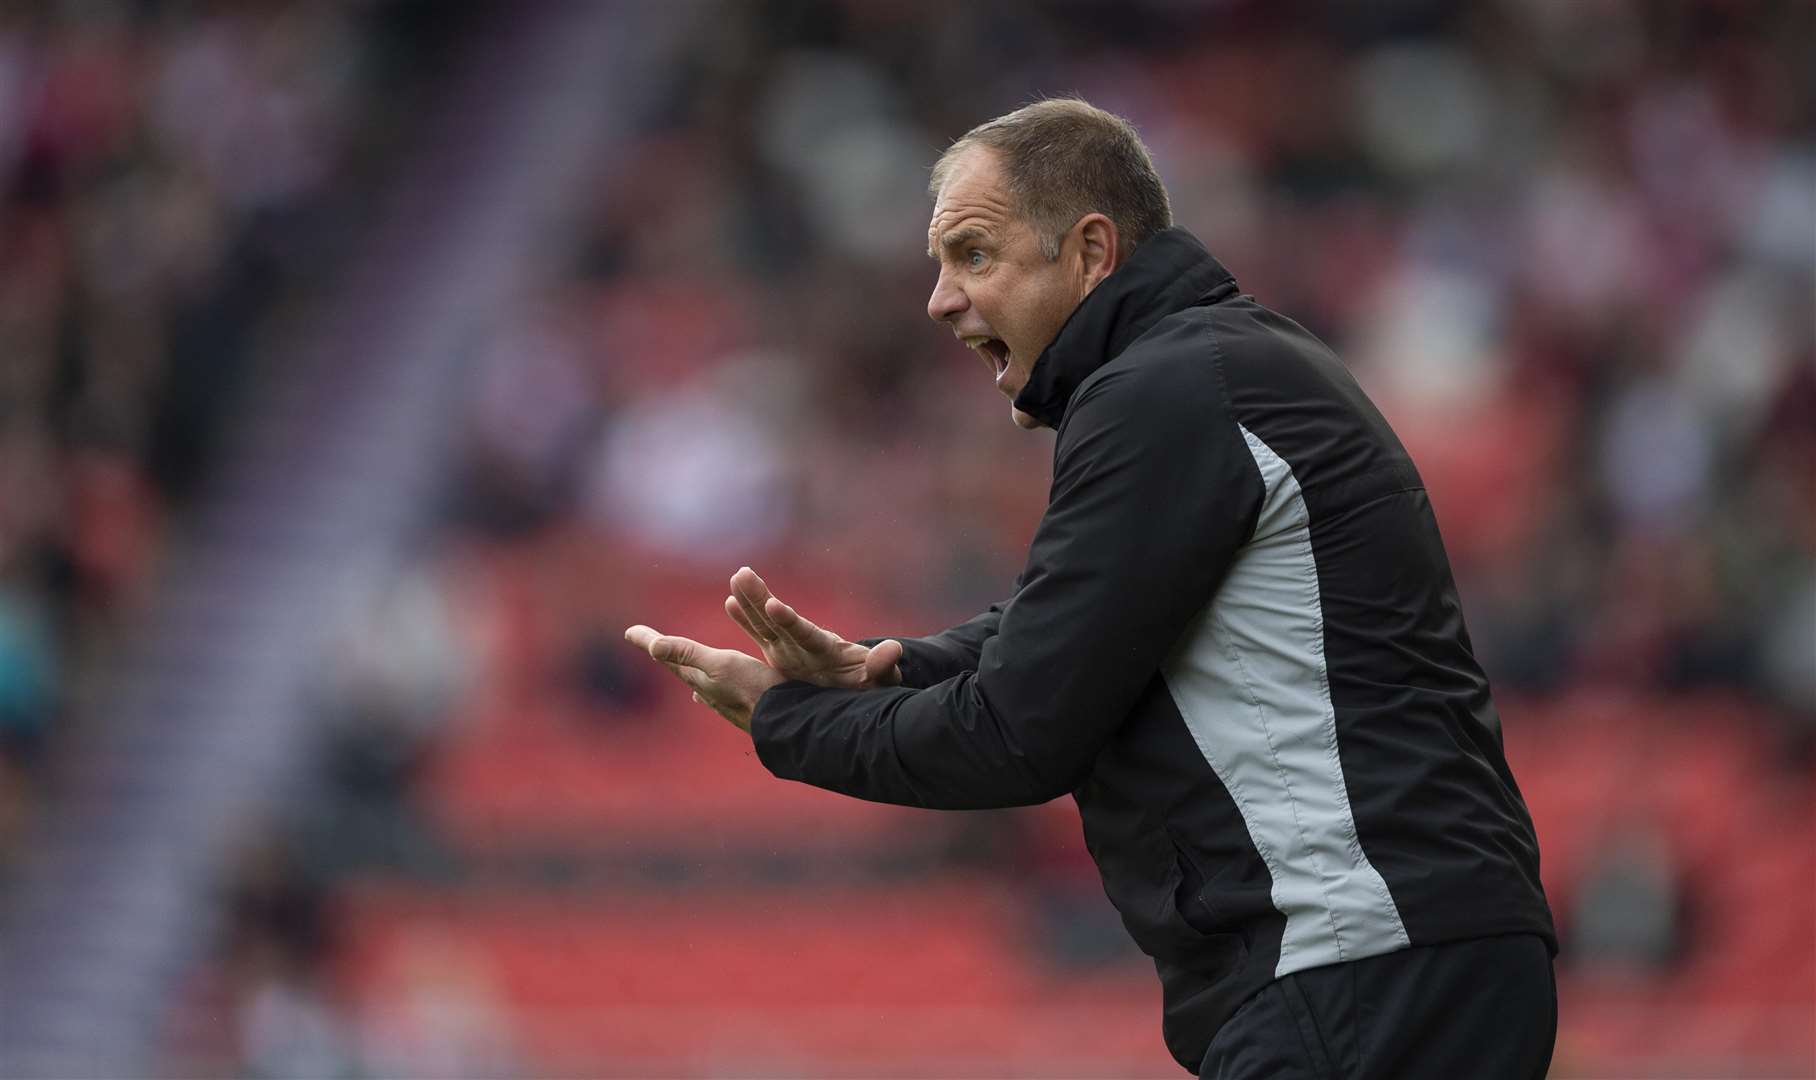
<point x="1483" y="1010"/>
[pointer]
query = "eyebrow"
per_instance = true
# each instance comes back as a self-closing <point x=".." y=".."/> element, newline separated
<point x="957" y="238"/>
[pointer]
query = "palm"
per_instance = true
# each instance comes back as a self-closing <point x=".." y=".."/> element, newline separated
<point x="798" y="649"/>
<point x="828" y="660"/>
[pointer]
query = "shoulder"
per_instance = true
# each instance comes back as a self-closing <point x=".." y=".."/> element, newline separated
<point x="1172" y="372"/>
<point x="1164" y="397"/>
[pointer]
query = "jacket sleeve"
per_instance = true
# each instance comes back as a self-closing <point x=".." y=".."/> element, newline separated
<point x="1154" y="492"/>
<point x="938" y="657"/>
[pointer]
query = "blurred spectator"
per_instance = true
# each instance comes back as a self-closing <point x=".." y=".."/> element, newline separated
<point x="1631" y="915"/>
<point x="279" y="946"/>
<point x="534" y="411"/>
<point x="391" y="685"/>
<point x="694" y="471"/>
<point x="28" y="675"/>
<point x="435" y="1011"/>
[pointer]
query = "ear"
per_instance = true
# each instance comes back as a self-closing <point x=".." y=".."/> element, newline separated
<point x="1099" y="248"/>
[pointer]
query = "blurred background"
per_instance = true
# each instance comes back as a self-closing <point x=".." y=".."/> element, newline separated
<point x="365" y="368"/>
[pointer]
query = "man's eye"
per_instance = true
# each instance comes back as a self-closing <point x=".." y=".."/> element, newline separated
<point x="974" y="259"/>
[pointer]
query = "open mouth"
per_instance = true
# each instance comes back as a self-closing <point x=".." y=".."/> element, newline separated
<point x="994" y="352"/>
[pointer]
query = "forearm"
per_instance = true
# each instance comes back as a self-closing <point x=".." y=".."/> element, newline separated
<point x="936" y="748"/>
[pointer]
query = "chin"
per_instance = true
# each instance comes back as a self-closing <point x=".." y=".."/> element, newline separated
<point x="1022" y="419"/>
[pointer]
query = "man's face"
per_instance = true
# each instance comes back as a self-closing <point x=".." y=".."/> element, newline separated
<point x="1002" y="297"/>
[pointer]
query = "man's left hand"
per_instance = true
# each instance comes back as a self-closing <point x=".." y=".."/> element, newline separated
<point x="726" y="680"/>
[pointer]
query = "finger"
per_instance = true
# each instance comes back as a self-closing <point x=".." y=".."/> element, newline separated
<point x="794" y="624"/>
<point x="687" y="652"/>
<point x="880" y="666"/>
<point x="672" y="650"/>
<point x="752" y="594"/>
<point x="736" y="611"/>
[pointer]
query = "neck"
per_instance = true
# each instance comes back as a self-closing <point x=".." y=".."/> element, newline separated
<point x="1169" y="273"/>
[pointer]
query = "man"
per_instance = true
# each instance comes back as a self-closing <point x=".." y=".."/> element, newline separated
<point x="1236" y="643"/>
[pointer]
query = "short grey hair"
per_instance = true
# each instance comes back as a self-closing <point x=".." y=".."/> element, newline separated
<point x="1064" y="158"/>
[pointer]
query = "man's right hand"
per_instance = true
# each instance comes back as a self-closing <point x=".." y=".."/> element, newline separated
<point x="800" y="650"/>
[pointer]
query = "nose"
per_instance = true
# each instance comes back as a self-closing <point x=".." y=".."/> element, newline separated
<point x="948" y="301"/>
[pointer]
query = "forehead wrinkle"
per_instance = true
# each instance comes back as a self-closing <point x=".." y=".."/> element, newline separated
<point x="972" y="197"/>
<point x="963" y="234"/>
<point x="971" y="216"/>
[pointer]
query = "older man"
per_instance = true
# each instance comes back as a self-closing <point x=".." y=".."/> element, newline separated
<point x="1236" y="643"/>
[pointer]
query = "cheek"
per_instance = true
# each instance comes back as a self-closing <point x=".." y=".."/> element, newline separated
<point x="1056" y="306"/>
<point x="977" y="295"/>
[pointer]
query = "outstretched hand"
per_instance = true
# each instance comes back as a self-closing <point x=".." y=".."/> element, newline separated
<point x="800" y="650"/>
<point x="726" y="680"/>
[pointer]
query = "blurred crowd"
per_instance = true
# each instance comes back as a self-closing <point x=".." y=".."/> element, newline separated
<point x="173" y="179"/>
<point x="165" y="175"/>
<point x="1569" y="248"/>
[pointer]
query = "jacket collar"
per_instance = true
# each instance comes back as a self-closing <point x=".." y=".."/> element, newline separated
<point x="1170" y="272"/>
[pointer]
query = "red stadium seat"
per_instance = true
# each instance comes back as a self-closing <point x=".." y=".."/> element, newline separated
<point x="839" y="981"/>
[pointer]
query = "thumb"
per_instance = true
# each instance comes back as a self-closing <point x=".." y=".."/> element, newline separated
<point x="679" y="650"/>
<point x="880" y="664"/>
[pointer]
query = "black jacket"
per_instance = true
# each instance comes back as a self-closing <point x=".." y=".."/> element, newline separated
<point x="1236" y="643"/>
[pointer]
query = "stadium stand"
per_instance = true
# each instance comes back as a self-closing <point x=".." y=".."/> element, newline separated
<point x="1569" y="248"/>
